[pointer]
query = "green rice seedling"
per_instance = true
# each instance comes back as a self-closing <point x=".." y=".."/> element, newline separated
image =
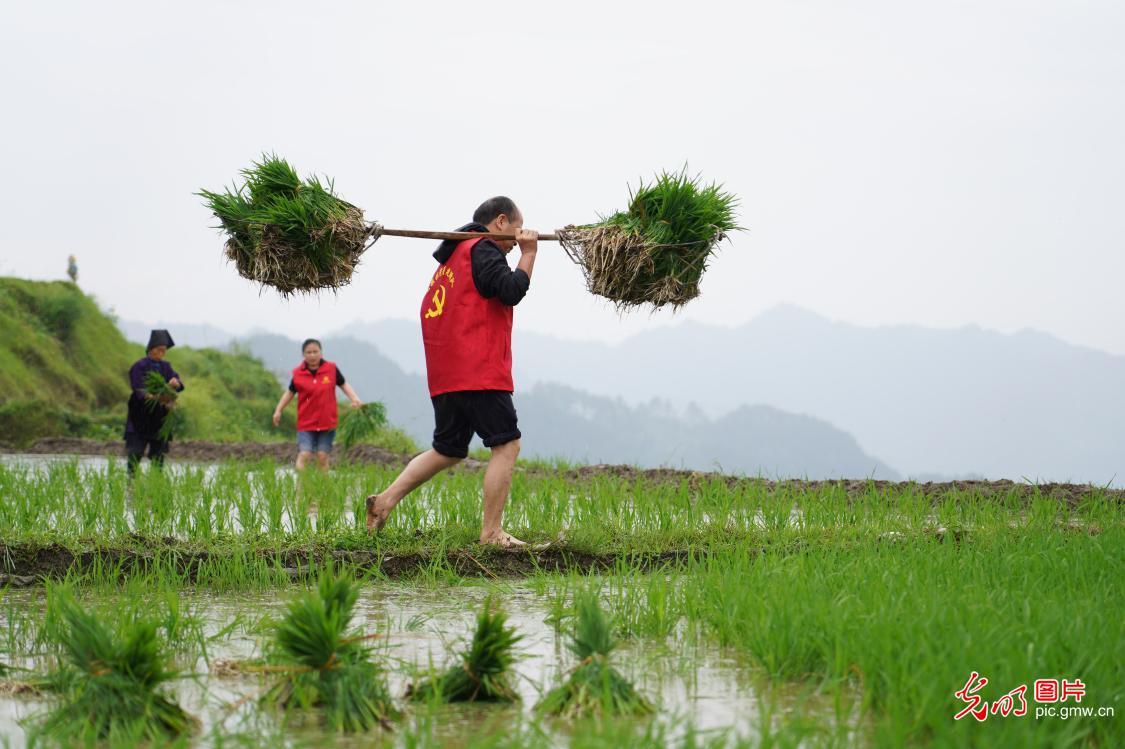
<point x="655" y="251"/>
<point x="164" y="398"/>
<point x="113" y="682"/>
<point x="359" y="424"/>
<point x="323" y="664"/>
<point x="483" y="673"/>
<point x="594" y="687"/>
<point x="292" y="234"/>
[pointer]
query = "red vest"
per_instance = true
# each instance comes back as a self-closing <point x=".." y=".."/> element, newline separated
<point x="468" y="338"/>
<point x="316" y="397"/>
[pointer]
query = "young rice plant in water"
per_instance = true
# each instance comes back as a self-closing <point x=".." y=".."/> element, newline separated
<point x="484" y="671"/>
<point x="594" y="687"/>
<point x="325" y="665"/>
<point x="112" y="680"/>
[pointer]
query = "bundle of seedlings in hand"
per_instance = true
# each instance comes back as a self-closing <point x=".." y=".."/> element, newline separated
<point x="359" y="424"/>
<point x="656" y="251"/>
<point x="594" y="687"/>
<point x="483" y="673"/>
<point x="164" y="396"/>
<point x="111" y="681"/>
<point x="287" y="233"/>
<point x="323" y="664"/>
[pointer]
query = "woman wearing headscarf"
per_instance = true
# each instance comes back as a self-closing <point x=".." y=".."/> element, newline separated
<point x="146" y="411"/>
<point x="314" y="384"/>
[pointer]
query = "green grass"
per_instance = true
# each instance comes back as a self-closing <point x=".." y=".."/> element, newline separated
<point x="879" y="604"/>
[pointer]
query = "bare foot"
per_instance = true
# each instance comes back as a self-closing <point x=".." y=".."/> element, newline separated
<point x="503" y="540"/>
<point x="376" y="514"/>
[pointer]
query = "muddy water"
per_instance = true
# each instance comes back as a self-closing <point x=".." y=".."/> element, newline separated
<point x="692" y="683"/>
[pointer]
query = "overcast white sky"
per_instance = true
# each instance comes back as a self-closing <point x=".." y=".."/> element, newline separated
<point x="939" y="163"/>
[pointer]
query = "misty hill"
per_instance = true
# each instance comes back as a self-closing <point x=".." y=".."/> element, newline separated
<point x="64" y="369"/>
<point x="927" y="401"/>
<point x="562" y="422"/>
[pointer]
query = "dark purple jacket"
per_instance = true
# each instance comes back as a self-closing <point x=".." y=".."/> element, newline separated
<point x="144" y="416"/>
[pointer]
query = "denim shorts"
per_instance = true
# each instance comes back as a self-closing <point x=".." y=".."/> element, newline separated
<point x="316" y="442"/>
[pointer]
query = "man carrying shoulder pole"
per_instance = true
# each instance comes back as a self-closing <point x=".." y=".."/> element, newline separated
<point x="466" y="320"/>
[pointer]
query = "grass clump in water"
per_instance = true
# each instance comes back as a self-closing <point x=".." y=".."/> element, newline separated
<point x="287" y="233"/>
<point x="654" y="252"/>
<point x="484" y="673"/>
<point x="323" y="664"/>
<point x="112" y="680"/>
<point x="594" y="687"/>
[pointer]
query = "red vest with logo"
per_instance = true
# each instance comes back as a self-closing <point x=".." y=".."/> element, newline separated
<point x="468" y="338"/>
<point x="316" y="397"/>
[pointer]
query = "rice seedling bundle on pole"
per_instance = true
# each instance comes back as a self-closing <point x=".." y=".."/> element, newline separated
<point x="112" y="681"/>
<point x="322" y="664"/>
<point x="299" y="236"/>
<point x="484" y="672"/>
<point x="593" y="687"/>
<point x="655" y="251"/>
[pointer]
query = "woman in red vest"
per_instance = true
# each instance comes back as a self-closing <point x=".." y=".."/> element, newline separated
<point x="314" y="383"/>
<point x="466" y="317"/>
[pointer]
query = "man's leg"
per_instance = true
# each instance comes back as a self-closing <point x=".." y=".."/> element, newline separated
<point x="452" y="433"/>
<point x="497" y="483"/>
<point x="417" y="472"/>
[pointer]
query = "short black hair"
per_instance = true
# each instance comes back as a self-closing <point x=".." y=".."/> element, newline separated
<point x="305" y="345"/>
<point x="493" y="207"/>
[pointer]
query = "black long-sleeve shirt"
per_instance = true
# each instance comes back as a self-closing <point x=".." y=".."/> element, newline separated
<point x="491" y="273"/>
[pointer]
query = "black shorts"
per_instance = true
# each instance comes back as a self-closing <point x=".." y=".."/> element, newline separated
<point x="489" y="413"/>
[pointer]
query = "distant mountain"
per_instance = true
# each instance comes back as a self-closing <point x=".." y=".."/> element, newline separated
<point x="561" y="422"/>
<point x="184" y="334"/>
<point x="928" y="401"/>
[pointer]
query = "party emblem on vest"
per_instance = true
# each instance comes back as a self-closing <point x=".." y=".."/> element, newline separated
<point x="325" y="380"/>
<point x="439" y="303"/>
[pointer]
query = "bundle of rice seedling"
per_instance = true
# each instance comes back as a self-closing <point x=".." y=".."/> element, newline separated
<point x="287" y="233"/>
<point x="358" y="424"/>
<point x="299" y="236"/>
<point x="594" y="687"/>
<point x="111" y="683"/>
<point x="164" y="396"/>
<point x="321" y="664"/>
<point x="483" y="673"/>
<point x="656" y="251"/>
